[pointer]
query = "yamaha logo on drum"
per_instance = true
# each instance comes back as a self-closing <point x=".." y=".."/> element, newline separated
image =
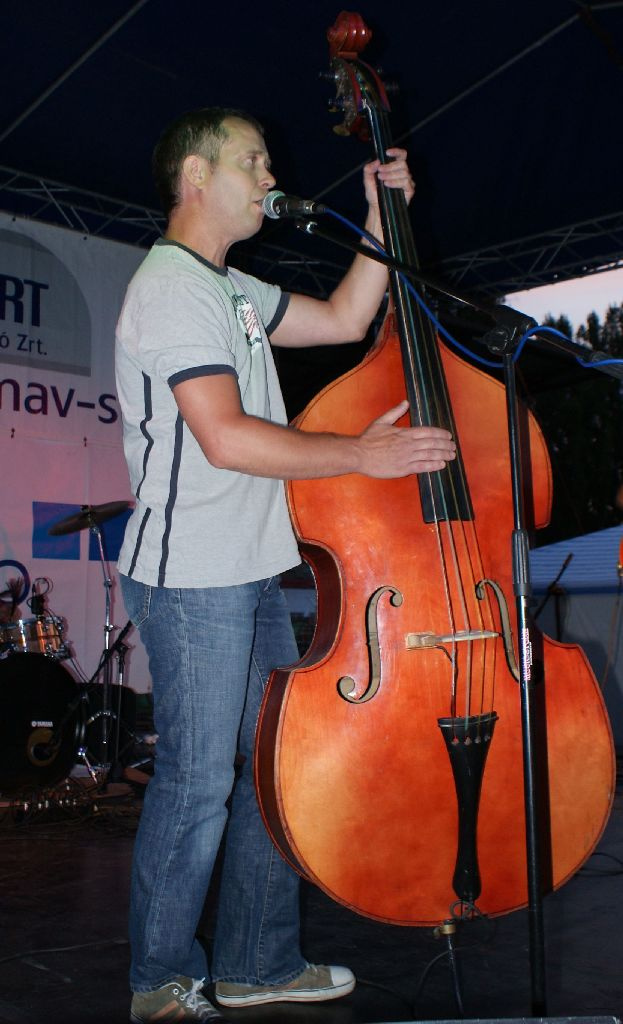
<point x="45" y="725"/>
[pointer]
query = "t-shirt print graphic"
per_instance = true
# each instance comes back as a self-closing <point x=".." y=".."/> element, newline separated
<point x="248" y="320"/>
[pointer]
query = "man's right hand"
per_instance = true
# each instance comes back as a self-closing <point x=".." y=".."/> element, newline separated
<point x="389" y="451"/>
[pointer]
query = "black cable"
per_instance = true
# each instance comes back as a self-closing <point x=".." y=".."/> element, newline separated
<point x="389" y="991"/>
<point x="590" y="872"/>
<point x="63" y="949"/>
<point x="427" y="969"/>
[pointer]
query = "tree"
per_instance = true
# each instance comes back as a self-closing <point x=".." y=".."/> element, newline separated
<point x="581" y="415"/>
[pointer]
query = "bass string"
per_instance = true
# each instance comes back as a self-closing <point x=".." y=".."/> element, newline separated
<point x="461" y="556"/>
<point x="460" y="537"/>
<point x="399" y="240"/>
<point x="432" y="405"/>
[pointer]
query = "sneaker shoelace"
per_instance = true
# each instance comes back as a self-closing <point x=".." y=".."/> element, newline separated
<point x="193" y="999"/>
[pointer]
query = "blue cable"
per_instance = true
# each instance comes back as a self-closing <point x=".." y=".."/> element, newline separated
<point x="418" y="298"/>
<point x="540" y="328"/>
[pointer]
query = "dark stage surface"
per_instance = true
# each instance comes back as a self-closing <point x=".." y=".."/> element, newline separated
<point x="64" y="957"/>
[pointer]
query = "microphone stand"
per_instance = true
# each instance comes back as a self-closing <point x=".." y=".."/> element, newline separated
<point x="500" y="319"/>
<point x="557" y="592"/>
<point x="504" y="332"/>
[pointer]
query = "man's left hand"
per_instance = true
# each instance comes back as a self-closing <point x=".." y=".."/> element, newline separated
<point x="394" y="174"/>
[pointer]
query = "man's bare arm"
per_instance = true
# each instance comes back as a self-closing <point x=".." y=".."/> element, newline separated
<point x="230" y="439"/>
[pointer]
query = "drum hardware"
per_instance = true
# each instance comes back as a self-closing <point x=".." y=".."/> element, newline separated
<point x="45" y="718"/>
<point x="88" y="517"/>
<point x="91" y="517"/>
<point x="110" y="718"/>
<point x="36" y="601"/>
<point x="41" y="634"/>
<point x="71" y="797"/>
<point x="45" y="714"/>
<point x="14" y="592"/>
<point x="116" y="771"/>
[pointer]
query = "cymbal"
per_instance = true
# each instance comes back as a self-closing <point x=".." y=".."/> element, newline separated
<point x="89" y="515"/>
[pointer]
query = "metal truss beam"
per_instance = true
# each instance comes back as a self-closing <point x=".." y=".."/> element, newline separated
<point x="90" y="213"/>
<point x="559" y="254"/>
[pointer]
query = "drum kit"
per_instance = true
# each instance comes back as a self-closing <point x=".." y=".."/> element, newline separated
<point x="48" y="721"/>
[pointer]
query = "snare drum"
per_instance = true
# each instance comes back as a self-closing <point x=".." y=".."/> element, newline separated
<point x="42" y="634"/>
<point x="41" y="722"/>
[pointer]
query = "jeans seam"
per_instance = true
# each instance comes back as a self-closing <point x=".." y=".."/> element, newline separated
<point x="150" y="942"/>
<point x="260" y="938"/>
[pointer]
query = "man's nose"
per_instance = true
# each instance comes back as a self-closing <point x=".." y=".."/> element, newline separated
<point x="268" y="181"/>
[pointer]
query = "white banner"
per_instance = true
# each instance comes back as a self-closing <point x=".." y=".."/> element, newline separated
<point x="60" y="426"/>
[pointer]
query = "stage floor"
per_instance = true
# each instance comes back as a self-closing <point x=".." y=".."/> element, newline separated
<point x="64" y="954"/>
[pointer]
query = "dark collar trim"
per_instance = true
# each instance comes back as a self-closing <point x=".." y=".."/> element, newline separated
<point x="221" y="271"/>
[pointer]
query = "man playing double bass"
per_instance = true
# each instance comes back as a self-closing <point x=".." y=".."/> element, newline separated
<point x="208" y="449"/>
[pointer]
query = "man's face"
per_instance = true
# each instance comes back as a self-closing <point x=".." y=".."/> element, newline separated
<point x="239" y="181"/>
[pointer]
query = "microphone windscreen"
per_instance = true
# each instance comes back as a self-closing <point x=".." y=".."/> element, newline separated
<point x="268" y="204"/>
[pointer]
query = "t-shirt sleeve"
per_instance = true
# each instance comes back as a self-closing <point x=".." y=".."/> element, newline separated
<point x="284" y="302"/>
<point x="183" y="329"/>
<point x="268" y="299"/>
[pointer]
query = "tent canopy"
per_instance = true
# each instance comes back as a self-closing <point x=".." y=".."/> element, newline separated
<point x="510" y="112"/>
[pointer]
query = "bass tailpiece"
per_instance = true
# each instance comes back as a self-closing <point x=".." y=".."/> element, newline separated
<point x="467" y="741"/>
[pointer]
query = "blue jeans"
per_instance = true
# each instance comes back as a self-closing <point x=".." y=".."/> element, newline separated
<point x="210" y="652"/>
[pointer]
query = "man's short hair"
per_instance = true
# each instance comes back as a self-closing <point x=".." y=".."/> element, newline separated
<point x="200" y="132"/>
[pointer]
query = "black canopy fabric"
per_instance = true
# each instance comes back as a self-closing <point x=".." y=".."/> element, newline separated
<point x="510" y="109"/>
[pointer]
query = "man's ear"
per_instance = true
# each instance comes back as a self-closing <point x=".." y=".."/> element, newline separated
<point x="194" y="170"/>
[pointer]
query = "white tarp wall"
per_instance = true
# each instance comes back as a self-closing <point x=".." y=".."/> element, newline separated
<point x="590" y="607"/>
<point x="60" y="427"/>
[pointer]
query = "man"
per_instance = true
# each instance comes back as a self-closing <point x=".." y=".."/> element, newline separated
<point x="208" y="449"/>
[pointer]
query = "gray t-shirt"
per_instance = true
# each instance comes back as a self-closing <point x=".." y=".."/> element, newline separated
<point x="195" y="525"/>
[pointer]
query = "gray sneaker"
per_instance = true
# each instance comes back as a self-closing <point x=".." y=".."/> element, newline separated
<point x="178" y="1001"/>
<point x="314" y="984"/>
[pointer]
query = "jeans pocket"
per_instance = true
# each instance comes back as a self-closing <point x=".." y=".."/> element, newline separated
<point x="137" y="599"/>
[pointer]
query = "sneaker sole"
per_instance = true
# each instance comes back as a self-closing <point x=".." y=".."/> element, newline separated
<point x="303" y="995"/>
<point x="141" y="1020"/>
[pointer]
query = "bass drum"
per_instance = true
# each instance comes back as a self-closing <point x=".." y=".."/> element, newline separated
<point x="41" y="722"/>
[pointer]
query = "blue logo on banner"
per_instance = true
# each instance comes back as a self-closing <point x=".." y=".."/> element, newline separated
<point x="67" y="547"/>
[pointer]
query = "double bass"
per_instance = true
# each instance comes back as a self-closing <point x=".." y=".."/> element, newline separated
<point x="389" y="759"/>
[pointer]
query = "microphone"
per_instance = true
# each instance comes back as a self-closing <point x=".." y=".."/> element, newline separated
<point x="276" y="205"/>
<point x="36" y="602"/>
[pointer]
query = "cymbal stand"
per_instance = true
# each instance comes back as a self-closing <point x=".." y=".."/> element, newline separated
<point x="115" y="772"/>
<point x="105" y="712"/>
<point x="82" y="753"/>
<point x="82" y="697"/>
